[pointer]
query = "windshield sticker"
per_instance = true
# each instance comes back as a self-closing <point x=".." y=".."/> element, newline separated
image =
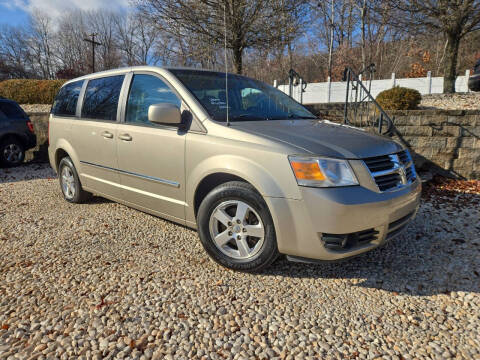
<point x="219" y="103"/>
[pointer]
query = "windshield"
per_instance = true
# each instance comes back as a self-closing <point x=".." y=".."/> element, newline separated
<point x="248" y="99"/>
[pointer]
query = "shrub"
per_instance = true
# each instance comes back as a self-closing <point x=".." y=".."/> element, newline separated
<point x="399" y="98"/>
<point x="28" y="91"/>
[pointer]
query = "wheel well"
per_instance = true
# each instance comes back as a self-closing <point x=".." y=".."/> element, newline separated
<point x="59" y="155"/>
<point x="14" y="136"/>
<point x="209" y="183"/>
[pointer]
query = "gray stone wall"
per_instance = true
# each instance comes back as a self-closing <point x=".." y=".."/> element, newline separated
<point x="447" y="140"/>
<point x="40" y="125"/>
<point x="442" y="141"/>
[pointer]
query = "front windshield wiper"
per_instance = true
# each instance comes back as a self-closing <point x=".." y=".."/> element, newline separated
<point x="294" y="116"/>
<point x="246" y="117"/>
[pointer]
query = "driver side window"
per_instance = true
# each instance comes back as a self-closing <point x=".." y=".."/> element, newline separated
<point x="147" y="90"/>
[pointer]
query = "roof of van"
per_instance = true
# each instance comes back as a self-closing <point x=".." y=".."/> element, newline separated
<point x="137" y="68"/>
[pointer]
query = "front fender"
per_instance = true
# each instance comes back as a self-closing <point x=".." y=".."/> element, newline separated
<point x="276" y="181"/>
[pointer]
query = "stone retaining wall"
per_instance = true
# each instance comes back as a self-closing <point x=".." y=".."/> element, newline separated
<point x="40" y="125"/>
<point x="442" y="141"/>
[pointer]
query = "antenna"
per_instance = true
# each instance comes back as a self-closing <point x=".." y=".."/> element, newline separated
<point x="225" y="51"/>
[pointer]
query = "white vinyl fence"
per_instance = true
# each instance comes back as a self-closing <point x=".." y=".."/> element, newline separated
<point x="326" y="92"/>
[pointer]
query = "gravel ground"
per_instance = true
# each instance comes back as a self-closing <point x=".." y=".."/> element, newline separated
<point x="459" y="101"/>
<point x="29" y="108"/>
<point x="100" y="280"/>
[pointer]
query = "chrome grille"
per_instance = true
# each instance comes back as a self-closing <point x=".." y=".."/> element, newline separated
<point x="392" y="171"/>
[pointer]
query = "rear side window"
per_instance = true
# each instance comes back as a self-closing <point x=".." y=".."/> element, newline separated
<point x="65" y="103"/>
<point x="477" y="67"/>
<point x="11" y="110"/>
<point x="101" y="98"/>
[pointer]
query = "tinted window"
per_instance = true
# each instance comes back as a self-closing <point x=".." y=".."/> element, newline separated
<point x="11" y="110"/>
<point x="65" y="103"/>
<point x="101" y="98"/>
<point x="145" y="91"/>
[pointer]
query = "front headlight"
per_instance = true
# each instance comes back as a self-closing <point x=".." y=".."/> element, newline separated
<point x="322" y="172"/>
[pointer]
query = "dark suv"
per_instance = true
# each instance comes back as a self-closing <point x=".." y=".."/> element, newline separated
<point x="16" y="133"/>
<point x="474" y="80"/>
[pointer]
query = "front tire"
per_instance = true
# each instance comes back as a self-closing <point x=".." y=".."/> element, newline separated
<point x="70" y="183"/>
<point x="12" y="152"/>
<point x="236" y="228"/>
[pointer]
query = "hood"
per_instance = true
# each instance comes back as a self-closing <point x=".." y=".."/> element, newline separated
<point x="322" y="138"/>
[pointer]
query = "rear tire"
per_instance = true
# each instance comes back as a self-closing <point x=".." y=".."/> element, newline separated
<point x="12" y="152"/>
<point x="70" y="183"/>
<point x="236" y="228"/>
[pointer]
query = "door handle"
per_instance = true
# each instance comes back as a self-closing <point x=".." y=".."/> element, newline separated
<point x="107" y="135"/>
<point x="125" y="137"/>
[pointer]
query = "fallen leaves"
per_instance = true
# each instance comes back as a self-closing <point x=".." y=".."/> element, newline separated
<point x="103" y="303"/>
<point x="458" y="192"/>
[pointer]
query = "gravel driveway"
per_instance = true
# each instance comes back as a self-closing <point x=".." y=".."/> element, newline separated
<point x="100" y="280"/>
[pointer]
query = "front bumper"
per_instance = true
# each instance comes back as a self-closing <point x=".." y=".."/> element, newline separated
<point x="301" y="224"/>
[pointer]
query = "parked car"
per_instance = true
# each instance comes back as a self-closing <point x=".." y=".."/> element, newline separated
<point x="16" y="133"/>
<point x="252" y="170"/>
<point x="474" y="79"/>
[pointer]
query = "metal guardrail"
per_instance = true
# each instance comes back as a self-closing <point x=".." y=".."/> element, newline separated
<point x="361" y="109"/>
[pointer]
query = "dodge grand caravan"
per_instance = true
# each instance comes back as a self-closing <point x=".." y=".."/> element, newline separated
<point x="252" y="170"/>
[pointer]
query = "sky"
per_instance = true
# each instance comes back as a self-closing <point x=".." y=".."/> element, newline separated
<point x="15" y="12"/>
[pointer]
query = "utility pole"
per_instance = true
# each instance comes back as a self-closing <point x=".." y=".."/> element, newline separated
<point x="94" y="43"/>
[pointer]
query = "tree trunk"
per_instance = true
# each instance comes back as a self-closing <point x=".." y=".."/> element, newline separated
<point x="364" y="45"/>
<point x="237" y="59"/>
<point x="450" y="65"/>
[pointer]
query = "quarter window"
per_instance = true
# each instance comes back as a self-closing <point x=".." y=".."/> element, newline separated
<point x="147" y="90"/>
<point x="101" y="98"/>
<point x="65" y="103"/>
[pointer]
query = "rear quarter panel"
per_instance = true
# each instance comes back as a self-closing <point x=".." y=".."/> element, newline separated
<point x="60" y="133"/>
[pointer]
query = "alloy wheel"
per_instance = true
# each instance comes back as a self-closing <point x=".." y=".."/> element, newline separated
<point x="12" y="153"/>
<point x="68" y="183"/>
<point x="236" y="229"/>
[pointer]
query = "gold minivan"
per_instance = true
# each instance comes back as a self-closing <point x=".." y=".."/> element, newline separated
<point x="251" y="169"/>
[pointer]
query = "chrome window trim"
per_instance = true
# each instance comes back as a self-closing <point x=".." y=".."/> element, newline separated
<point x="147" y="177"/>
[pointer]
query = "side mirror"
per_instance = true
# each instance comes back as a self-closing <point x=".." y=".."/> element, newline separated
<point x="164" y="113"/>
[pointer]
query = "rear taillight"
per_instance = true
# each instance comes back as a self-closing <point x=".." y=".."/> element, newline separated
<point x="30" y="126"/>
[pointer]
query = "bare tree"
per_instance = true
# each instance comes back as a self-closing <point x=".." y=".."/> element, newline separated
<point x="453" y="18"/>
<point x="14" y="53"/>
<point x="249" y="23"/>
<point x="70" y="49"/>
<point x="102" y="23"/>
<point x="40" y="42"/>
